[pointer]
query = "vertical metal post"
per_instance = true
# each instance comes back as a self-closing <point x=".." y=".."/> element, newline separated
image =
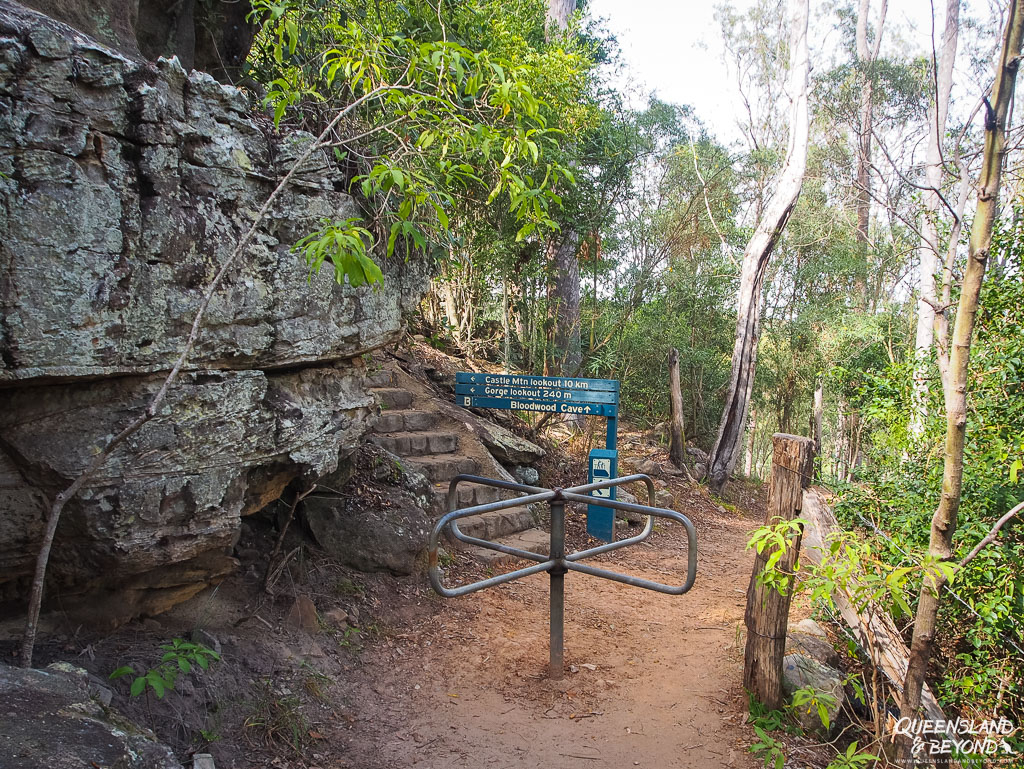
<point x="557" y="573"/>
<point x="612" y="434"/>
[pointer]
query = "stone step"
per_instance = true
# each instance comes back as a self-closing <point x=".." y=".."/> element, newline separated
<point x="382" y="377"/>
<point x="497" y="524"/>
<point x="532" y="540"/>
<point x="443" y="467"/>
<point x="393" y="398"/>
<point x="416" y="444"/>
<point x="407" y="421"/>
<point x="469" y="494"/>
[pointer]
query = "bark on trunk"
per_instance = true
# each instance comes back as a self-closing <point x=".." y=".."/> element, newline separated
<point x="566" y="296"/>
<point x="559" y="12"/>
<point x="866" y="57"/>
<point x="748" y="465"/>
<point x="677" y="430"/>
<point x="817" y="412"/>
<point x="726" y="450"/>
<point x="767" y="612"/>
<point x="953" y="361"/>
<point x="929" y="249"/>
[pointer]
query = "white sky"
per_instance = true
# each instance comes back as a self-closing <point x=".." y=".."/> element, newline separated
<point x="675" y="48"/>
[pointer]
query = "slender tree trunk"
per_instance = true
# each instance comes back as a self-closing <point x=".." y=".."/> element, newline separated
<point x="929" y="249"/>
<point x="506" y="326"/>
<point x="953" y="361"/>
<point x="866" y="57"/>
<point x="748" y="464"/>
<point x="677" y="430"/>
<point x="566" y="295"/>
<point x="773" y="221"/>
<point x="817" y="413"/>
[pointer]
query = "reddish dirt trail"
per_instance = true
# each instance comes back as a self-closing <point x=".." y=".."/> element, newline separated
<point x="651" y="680"/>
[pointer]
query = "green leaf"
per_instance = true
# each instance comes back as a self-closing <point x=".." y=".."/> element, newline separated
<point x="156" y="682"/>
<point x="1015" y="468"/>
<point x="137" y="686"/>
<point x="124" y="670"/>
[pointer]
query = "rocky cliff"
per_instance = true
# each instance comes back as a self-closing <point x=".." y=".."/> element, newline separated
<point x="124" y="184"/>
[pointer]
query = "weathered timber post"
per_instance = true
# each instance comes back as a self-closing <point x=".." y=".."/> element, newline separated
<point x="677" y="430"/>
<point x="767" y="613"/>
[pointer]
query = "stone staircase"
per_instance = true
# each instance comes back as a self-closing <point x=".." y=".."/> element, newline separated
<point x="411" y="427"/>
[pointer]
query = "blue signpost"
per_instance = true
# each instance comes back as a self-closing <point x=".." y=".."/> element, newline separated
<point x="559" y="395"/>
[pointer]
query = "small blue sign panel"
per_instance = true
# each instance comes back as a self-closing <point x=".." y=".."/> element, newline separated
<point x="527" y="380"/>
<point x="603" y="464"/>
<point x="537" y="393"/>
<point x="516" y="404"/>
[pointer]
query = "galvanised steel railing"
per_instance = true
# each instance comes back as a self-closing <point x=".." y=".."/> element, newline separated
<point x="556" y="562"/>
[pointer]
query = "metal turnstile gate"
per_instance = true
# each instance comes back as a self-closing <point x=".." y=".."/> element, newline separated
<point x="556" y="562"/>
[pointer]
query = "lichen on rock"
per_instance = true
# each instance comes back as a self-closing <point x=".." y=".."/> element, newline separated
<point x="124" y="186"/>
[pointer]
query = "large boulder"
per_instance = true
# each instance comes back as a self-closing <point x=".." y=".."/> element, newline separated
<point x="808" y="637"/>
<point x="384" y="528"/>
<point x="61" y="724"/>
<point x="800" y="671"/>
<point x="504" y="445"/>
<point x="124" y="185"/>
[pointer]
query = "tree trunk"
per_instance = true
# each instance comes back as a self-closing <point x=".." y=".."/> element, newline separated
<point x="817" y="412"/>
<point x="506" y="327"/>
<point x="726" y="450"/>
<point x="928" y="250"/>
<point x="748" y="464"/>
<point x="566" y="295"/>
<point x="953" y="361"/>
<point x="866" y="57"/>
<point x="677" y="430"/>
<point x="559" y="12"/>
<point x="767" y="612"/>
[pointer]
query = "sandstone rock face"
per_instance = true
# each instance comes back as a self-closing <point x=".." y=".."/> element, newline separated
<point x="124" y="185"/>
<point x="62" y="725"/>
<point x="389" y="536"/>
<point x="211" y="35"/>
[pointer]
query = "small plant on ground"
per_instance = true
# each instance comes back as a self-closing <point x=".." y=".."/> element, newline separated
<point x="852" y="759"/>
<point x="769" y="720"/>
<point x="350" y="637"/>
<point x="180" y="656"/>
<point x="768" y="749"/>
<point x="809" y="699"/>
<point x="276" y="718"/>
<point x="346" y="587"/>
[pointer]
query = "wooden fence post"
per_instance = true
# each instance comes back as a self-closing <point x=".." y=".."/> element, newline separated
<point x="767" y="614"/>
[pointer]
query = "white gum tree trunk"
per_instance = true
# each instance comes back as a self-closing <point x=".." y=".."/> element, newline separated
<point x="929" y="248"/>
<point x="759" y="249"/>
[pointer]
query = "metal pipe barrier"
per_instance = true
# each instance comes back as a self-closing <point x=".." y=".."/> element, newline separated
<point x="556" y="562"/>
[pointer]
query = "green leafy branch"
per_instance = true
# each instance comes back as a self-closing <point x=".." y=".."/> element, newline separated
<point x="776" y="539"/>
<point x="179" y="657"/>
<point x="343" y="244"/>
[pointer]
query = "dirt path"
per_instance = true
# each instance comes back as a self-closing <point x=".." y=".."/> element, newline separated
<point x="652" y="680"/>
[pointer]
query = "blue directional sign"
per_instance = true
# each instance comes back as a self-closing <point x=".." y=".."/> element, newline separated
<point x="525" y="404"/>
<point x="536" y="393"/>
<point x="558" y="395"/>
<point x="528" y="380"/>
